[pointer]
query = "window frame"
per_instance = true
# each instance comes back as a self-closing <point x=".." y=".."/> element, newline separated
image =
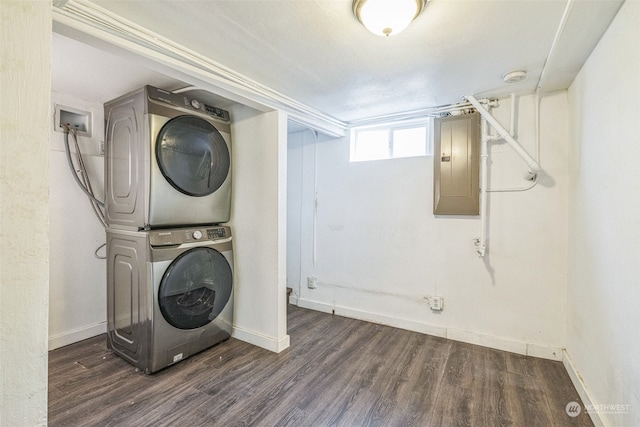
<point x="391" y="127"/>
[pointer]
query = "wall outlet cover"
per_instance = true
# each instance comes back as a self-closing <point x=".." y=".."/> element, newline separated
<point x="312" y="282"/>
<point x="436" y="303"/>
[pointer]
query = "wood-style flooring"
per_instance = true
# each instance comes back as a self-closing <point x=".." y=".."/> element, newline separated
<point x="337" y="372"/>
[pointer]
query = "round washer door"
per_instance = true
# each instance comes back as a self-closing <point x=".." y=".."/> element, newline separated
<point x="192" y="155"/>
<point x="195" y="288"/>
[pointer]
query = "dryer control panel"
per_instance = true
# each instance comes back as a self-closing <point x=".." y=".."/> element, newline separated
<point x="184" y="101"/>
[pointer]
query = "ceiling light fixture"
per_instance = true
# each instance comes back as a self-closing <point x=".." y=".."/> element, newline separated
<point x="387" y="17"/>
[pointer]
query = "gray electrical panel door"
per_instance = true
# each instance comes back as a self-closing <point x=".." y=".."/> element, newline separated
<point x="456" y="165"/>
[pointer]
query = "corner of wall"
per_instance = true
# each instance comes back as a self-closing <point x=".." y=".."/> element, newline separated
<point x="578" y="383"/>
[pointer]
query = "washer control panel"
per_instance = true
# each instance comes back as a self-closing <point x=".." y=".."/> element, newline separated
<point x="175" y="237"/>
<point x="216" y="233"/>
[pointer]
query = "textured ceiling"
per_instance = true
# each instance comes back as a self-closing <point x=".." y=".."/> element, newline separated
<point x="316" y="52"/>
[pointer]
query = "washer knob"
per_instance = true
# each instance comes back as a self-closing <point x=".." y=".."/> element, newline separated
<point x="197" y="234"/>
<point x="195" y="104"/>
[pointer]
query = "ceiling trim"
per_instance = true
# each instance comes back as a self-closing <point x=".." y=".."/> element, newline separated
<point x="554" y="44"/>
<point x="90" y="19"/>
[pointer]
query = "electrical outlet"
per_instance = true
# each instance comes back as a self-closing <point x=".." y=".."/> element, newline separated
<point x="436" y="303"/>
<point x="312" y="282"/>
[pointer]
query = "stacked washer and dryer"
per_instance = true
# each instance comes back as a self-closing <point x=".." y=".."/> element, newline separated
<point x="169" y="261"/>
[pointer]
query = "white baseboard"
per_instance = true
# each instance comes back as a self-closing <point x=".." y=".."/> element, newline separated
<point x="76" y="335"/>
<point x="506" y="344"/>
<point x="545" y="352"/>
<point x="499" y="343"/>
<point x="313" y="305"/>
<point x="485" y="340"/>
<point x="409" y="325"/>
<point x="576" y="379"/>
<point x="269" y="343"/>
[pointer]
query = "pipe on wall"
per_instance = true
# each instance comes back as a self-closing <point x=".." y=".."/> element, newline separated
<point x="512" y="124"/>
<point x="513" y="131"/>
<point x="533" y="168"/>
<point x="484" y="156"/>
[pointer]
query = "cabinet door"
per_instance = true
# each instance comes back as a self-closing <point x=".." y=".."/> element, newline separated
<point x="456" y="165"/>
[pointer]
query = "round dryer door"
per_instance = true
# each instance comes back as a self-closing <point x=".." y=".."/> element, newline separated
<point x="192" y="155"/>
<point x="195" y="288"/>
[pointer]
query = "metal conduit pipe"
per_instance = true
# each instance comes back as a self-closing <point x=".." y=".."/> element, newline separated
<point x="484" y="155"/>
<point x="509" y="137"/>
<point x="512" y="124"/>
<point x="512" y="131"/>
<point x="532" y="165"/>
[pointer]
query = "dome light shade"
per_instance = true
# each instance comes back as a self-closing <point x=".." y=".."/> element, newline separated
<point x="514" y="76"/>
<point x="387" y="17"/>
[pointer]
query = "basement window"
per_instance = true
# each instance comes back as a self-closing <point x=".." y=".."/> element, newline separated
<point x="390" y="141"/>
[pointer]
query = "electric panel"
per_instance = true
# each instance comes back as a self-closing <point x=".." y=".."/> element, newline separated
<point x="456" y="165"/>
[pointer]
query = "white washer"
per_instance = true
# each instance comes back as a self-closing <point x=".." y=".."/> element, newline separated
<point x="169" y="293"/>
<point x="167" y="161"/>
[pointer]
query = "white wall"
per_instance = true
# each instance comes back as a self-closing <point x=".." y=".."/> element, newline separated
<point x="258" y="220"/>
<point x="379" y="250"/>
<point x="77" y="290"/>
<point x="603" y="339"/>
<point x="295" y="150"/>
<point x="301" y="157"/>
<point x="25" y="85"/>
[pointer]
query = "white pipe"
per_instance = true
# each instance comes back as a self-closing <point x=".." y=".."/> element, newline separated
<point x="532" y="165"/>
<point x="484" y="155"/>
<point x="491" y="132"/>
<point x="512" y="124"/>
<point x="554" y="44"/>
<point x="537" y="144"/>
<point x="537" y="124"/>
<point x="410" y="115"/>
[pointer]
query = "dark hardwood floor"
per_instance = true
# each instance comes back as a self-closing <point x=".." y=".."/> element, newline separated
<point x="337" y="372"/>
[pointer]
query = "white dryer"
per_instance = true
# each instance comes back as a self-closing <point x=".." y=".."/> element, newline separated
<point x="167" y="161"/>
<point x="169" y="293"/>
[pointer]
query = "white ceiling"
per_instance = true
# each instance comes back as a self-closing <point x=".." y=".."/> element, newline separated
<point x="316" y="52"/>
